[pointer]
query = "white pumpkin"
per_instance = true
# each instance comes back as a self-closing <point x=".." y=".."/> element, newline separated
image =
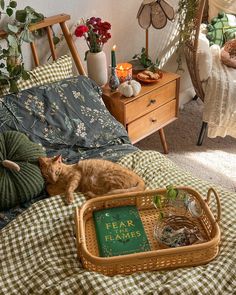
<point x="130" y="88"/>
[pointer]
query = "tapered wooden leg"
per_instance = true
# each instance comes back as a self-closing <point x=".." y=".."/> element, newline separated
<point x="163" y="140"/>
<point x="202" y="133"/>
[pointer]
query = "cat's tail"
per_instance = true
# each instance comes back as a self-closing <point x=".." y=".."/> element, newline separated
<point x="140" y="186"/>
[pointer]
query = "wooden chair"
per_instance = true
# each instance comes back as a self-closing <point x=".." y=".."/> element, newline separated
<point x="190" y="51"/>
<point x="47" y="24"/>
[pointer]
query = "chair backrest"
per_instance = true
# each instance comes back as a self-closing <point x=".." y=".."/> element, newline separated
<point x="47" y="24"/>
<point x="190" y="49"/>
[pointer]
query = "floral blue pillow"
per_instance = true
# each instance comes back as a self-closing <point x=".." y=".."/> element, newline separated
<point x="68" y="116"/>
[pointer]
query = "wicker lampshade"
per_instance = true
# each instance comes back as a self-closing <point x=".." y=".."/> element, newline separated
<point x="156" y="13"/>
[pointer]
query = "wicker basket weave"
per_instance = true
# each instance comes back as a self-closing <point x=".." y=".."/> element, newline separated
<point x="159" y="257"/>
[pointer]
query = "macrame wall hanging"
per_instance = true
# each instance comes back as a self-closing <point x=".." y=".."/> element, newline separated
<point x="155" y="13"/>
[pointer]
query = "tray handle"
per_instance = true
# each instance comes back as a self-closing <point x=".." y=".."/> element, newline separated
<point x="77" y="231"/>
<point x="209" y="193"/>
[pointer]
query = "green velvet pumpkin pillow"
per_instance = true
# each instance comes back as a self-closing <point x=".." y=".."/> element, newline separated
<point x="20" y="176"/>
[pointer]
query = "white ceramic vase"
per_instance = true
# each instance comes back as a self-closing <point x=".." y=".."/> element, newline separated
<point x="97" y="67"/>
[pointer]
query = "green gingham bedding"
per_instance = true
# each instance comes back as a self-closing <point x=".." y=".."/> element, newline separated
<point x="38" y="252"/>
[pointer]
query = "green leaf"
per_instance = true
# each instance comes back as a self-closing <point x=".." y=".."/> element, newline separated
<point x="12" y="41"/>
<point x="56" y="40"/>
<point x="2" y="4"/>
<point x="12" y="28"/>
<point x="27" y="36"/>
<point x="13" y="86"/>
<point x="161" y="216"/>
<point x="86" y="53"/>
<point x="32" y="15"/>
<point x="21" y="15"/>
<point x="4" y="81"/>
<point x="9" y="11"/>
<point x="25" y="75"/>
<point x="13" y="4"/>
<point x="157" y="200"/>
<point x="16" y="70"/>
<point x="171" y="192"/>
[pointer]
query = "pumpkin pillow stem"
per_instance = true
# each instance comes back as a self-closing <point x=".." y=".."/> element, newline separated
<point x="11" y="165"/>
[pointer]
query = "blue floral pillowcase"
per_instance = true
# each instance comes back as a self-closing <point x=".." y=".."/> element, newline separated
<point x="67" y="117"/>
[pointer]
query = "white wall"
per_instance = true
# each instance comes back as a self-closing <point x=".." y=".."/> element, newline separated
<point x="126" y="33"/>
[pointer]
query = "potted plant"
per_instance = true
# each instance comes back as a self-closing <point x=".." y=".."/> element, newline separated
<point x="145" y="61"/>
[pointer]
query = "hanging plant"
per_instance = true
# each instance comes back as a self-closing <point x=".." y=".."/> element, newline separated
<point x="18" y="32"/>
<point x="187" y="10"/>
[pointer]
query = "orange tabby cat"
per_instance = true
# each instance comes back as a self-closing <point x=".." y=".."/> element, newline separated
<point x="94" y="177"/>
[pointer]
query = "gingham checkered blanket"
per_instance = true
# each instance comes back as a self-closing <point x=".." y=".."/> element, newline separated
<point x="38" y="252"/>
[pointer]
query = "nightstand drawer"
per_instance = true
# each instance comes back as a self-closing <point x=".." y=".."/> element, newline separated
<point x="152" y="121"/>
<point x="150" y="101"/>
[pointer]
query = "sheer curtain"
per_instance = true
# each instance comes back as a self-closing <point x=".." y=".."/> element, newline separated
<point x="215" y="6"/>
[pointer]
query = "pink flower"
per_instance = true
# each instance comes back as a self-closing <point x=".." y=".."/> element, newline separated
<point x="81" y="30"/>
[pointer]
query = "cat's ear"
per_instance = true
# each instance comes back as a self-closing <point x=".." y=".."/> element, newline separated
<point x="57" y="159"/>
<point x="42" y="161"/>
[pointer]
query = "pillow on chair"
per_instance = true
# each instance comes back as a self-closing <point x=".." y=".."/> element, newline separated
<point x="228" y="54"/>
<point x="204" y="58"/>
<point x="48" y="73"/>
<point x="216" y="29"/>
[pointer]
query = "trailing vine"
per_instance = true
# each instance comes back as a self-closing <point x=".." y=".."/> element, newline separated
<point x="187" y="10"/>
<point x="18" y="32"/>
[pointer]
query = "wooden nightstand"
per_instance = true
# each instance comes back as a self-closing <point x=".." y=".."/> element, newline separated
<point x="152" y="109"/>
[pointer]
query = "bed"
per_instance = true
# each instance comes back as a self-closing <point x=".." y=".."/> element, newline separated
<point x="37" y="242"/>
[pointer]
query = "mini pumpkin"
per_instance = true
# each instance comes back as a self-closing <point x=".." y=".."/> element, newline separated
<point x="130" y="88"/>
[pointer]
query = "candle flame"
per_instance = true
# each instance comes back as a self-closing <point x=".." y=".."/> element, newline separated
<point x="114" y="47"/>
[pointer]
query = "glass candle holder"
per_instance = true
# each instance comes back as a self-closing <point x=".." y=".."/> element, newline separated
<point x="124" y="72"/>
<point x="113" y="80"/>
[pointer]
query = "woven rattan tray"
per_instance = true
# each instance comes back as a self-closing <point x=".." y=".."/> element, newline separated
<point x="160" y="257"/>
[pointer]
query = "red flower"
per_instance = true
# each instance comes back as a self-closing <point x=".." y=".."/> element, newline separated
<point x="106" y="26"/>
<point x="95" y="32"/>
<point x="80" y="30"/>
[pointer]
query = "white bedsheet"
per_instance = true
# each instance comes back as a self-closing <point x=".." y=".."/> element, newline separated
<point x="220" y="98"/>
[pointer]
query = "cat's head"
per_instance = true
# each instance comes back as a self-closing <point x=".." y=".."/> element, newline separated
<point x="51" y="168"/>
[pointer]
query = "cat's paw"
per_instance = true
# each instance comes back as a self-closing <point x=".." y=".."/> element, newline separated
<point x="69" y="198"/>
<point x="89" y="195"/>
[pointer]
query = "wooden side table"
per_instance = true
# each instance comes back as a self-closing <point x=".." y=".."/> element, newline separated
<point x="152" y="109"/>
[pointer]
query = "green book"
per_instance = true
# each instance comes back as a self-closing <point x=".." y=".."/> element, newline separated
<point x="120" y="231"/>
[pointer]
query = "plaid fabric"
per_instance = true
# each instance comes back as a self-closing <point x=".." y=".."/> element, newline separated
<point x="38" y="252"/>
<point x="48" y="73"/>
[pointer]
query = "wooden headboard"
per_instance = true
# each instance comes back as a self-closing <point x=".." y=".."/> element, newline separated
<point x="47" y="24"/>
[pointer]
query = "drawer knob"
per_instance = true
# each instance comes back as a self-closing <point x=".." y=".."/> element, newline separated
<point x="151" y="101"/>
<point x="153" y="120"/>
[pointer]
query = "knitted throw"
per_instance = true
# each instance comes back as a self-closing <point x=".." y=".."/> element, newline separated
<point x="20" y="176"/>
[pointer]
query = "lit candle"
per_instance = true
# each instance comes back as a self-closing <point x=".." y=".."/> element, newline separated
<point x="124" y="71"/>
<point x="113" y="57"/>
